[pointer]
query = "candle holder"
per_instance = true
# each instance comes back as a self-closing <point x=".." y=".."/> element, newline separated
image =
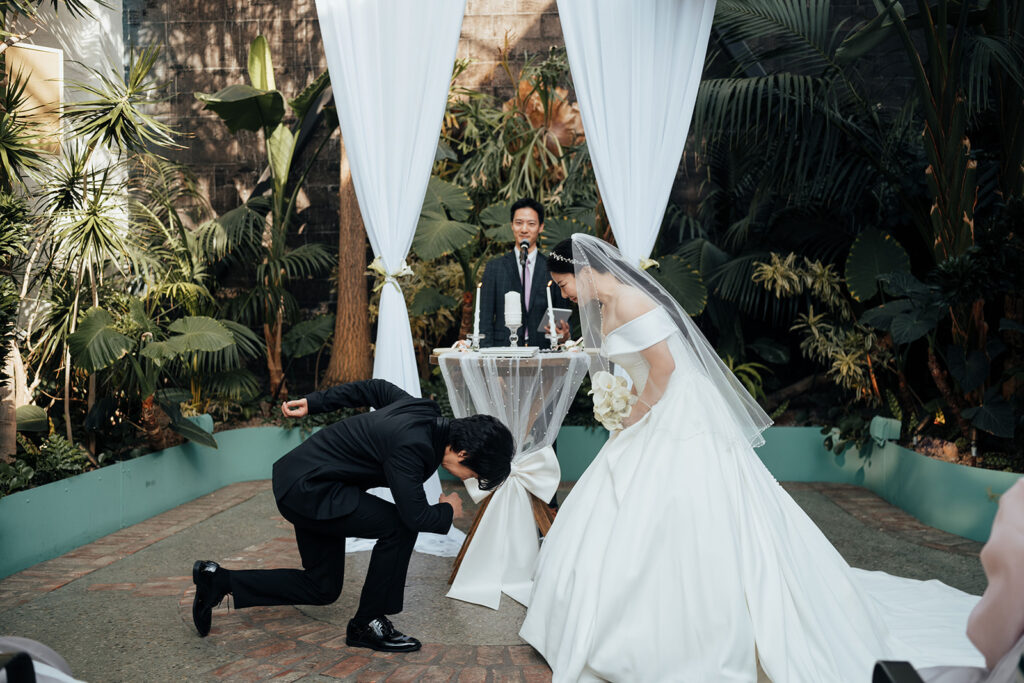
<point x="513" y="337"/>
<point x="553" y="340"/>
<point x="474" y="340"/>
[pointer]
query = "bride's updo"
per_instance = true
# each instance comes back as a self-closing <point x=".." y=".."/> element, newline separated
<point x="560" y="260"/>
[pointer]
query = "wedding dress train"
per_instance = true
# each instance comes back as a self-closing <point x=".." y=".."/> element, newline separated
<point x="677" y="554"/>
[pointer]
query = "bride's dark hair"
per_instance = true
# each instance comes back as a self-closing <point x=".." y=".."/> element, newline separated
<point x="560" y="259"/>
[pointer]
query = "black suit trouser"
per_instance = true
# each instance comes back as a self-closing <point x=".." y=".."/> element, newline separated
<point x="322" y="548"/>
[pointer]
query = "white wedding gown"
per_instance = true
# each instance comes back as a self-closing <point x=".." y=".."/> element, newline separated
<point x="677" y="553"/>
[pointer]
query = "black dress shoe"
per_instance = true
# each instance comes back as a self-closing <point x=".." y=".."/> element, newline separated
<point x="208" y="596"/>
<point x="379" y="634"/>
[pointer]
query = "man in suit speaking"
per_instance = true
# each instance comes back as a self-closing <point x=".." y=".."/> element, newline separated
<point x="505" y="274"/>
<point x="320" y="487"/>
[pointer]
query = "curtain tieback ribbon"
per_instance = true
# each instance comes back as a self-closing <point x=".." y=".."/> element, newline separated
<point x="377" y="268"/>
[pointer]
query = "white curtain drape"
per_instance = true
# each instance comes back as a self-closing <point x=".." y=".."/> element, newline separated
<point x="390" y="63"/>
<point x="636" y="67"/>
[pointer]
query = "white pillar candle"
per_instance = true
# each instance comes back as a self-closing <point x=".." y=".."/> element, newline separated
<point x="513" y="311"/>
<point x="476" y="313"/>
<point x="551" y="312"/>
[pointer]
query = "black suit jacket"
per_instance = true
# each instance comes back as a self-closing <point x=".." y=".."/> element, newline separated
<point x="399" y="445"/>
<point x="501" y="275"/>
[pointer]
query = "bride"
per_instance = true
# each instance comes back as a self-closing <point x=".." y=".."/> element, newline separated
<point x="677" y="556"/>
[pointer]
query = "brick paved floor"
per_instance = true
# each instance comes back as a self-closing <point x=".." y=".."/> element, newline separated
<point x="283" y="644"/>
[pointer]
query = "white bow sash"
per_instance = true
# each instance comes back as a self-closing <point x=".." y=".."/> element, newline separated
<point x="503" y="553"/>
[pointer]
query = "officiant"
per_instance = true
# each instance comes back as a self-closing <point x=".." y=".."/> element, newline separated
<point x="508" y="273"/>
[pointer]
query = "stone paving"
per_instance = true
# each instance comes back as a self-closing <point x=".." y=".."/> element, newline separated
<point x="304" y="643"/>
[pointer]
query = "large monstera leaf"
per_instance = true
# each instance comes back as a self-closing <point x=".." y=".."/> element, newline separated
<point x="191" y="334"/>
<point x="308" y="337"/>
<point x="683" y="282"/>
<point x="873" y="253"/>
<point x="558" y="228"/>
<point x="495" y="219"/>
<point x="442" y="229"/>
<point x="448" y="198"/>
<point x="96" y="344"/>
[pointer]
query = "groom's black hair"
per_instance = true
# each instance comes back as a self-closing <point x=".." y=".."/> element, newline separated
<point x="488" y="445"/>
<point x="527" y="203"/>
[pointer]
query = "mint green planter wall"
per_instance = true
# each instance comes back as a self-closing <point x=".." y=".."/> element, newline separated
<point x="960" y="500"/>
<point x="50" y="520"/>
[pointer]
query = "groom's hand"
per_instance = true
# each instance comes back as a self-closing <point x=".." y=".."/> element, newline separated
<point x="297" y="408"/>
<point x="455" y="501"/>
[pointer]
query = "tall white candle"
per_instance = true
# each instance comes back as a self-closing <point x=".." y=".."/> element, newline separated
<point x="551" y="312"/>
<point x="513" y="311"/>
<point x="476" y="313"/>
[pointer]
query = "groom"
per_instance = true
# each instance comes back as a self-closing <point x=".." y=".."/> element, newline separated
<point x="321" y="485"/>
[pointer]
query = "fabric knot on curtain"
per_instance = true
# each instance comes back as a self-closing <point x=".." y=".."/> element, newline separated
<point x="377" y="267"/>
<point x="537" y="472"/>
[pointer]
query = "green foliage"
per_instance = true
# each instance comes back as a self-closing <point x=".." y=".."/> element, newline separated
<point x="441" y="229"/>
<point x="751" y="374"/>
<point x="19" y="152"/>
<point x="97" y="344"/>
<point x="873" y="254"/>
<point x="308" y="337"/>
<point x="32" y="418"/>
<point x="54" y="459"/>
<point x="113" y="112"/>
<point x="253" y="238"/>
<point x="192" y="334"/>
<point x="850" y="350"/>
<point x="683" y="282"/>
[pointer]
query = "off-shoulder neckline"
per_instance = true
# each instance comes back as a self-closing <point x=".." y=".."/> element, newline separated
<point x="630" y="322"/>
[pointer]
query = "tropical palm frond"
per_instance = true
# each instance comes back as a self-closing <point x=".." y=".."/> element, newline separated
<point x="236" y="384"/>
<point x="800" y="29"/>
<point x="115" y="115"/>
<point x="67" y="180"/>
<point x="238" y="232"/>
<point x="303" y="261"/>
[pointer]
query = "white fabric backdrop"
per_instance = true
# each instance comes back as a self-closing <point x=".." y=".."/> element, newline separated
<point x="636" y="67"/>
<point x="390" y="63"/>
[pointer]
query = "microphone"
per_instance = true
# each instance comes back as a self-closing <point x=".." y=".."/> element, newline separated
<point x="524" y="250"/>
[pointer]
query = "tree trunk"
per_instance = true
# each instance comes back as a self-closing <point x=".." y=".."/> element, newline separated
<point x="149" y="419"/>
<point x="468" y="309"/>
<point x="942" y="383"/>
<point x="8" y="423"/>
<point x="272" y="335"/>
<point x="350" y="354"/>
<point x="10" y="392"/>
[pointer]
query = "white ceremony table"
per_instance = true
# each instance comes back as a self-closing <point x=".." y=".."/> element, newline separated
<point x="531" y="396"/>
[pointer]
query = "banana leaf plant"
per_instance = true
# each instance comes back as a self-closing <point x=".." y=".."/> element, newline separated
<point x="256" y="232"/>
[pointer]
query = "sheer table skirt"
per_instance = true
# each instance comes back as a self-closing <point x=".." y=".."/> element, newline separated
<point x="677" y="556"/>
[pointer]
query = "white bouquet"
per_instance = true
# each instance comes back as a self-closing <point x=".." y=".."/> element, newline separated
<point x="612" y="399"/>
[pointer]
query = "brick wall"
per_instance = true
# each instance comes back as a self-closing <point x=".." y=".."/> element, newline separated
<point x="206" y="46"/>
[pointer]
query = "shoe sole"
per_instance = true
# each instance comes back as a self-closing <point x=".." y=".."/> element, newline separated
<point x="195" y="599"/>
<point x="352" y="642"/>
